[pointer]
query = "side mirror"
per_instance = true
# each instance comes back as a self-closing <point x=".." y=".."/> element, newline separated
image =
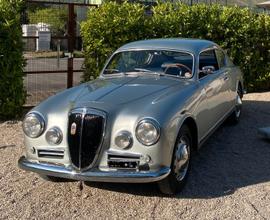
<point x="208" y="69"/>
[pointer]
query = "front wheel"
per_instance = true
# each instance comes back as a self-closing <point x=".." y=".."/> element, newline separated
<point x="180" y="165"/>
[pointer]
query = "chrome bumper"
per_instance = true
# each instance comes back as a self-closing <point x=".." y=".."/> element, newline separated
<point x="94" y="175"/>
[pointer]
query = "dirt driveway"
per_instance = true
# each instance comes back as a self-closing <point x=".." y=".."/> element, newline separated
<point x="230" y="179"/>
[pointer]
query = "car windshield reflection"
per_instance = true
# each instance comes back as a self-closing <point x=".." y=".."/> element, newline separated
<point x="161" y="62"/>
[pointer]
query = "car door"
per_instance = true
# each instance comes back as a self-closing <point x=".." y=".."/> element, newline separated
<point x="210" y="110"/>
<point x="226" y="76"/>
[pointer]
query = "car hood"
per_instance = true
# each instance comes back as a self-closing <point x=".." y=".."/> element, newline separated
<point x="113" y="93"/>
<point x="123" y="90"/>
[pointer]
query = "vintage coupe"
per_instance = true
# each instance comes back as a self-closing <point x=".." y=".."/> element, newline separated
<point x="154" y="104"/>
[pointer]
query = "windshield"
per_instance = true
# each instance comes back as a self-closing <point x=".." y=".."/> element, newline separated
<point x="161" y="62"/>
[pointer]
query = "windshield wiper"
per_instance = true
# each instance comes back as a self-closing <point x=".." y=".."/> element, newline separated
<point x="111" y="71"/>
<point x="155" y="73"/>
<point x="142" y="70"/>
<point x="135" y="70"/>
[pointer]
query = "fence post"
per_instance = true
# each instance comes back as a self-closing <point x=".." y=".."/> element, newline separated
<point x="71" y="42"/>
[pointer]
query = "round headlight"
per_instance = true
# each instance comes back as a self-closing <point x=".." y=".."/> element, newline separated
<point x="123" y="139"/>
<point x="33" y="125"/>
<point x="148" y="132"/>
<point x="54" y="136"/>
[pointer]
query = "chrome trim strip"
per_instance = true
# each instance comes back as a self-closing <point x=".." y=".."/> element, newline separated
<point x="50" y="153"/>
<point x="81" y="134"/>
<point x="95" y="174"/>
<point x="123" y="159"/>
<point x="123" y="153"/>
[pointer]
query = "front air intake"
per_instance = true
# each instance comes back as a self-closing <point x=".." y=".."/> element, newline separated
<point x="123" y="161"/>
<point x="85" y="136"/>
<point x="54" y="154"/>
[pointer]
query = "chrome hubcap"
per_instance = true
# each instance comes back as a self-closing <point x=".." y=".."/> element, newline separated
<point x="181" y="162"/>
<point x="238" y="105"/>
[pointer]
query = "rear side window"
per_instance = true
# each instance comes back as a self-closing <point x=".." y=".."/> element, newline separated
<point x="208" y="58"/>
<point x="221" y="58"/>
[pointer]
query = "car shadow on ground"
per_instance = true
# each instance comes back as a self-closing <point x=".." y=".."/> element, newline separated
<point x="234" y="157"/>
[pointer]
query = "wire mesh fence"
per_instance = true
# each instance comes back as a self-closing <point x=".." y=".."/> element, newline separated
<point x="49" y="51"/>
<point x="41" y="86"/>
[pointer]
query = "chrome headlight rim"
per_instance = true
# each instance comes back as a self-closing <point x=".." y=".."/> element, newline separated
<point x="57" y="131"/>
<point x="41" y="120"/>
<point x="156" y="126"/>
<point x="128" y="135"/>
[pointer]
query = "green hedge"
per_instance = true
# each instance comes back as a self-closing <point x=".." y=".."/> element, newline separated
<point x="12" y="94"/>
<point x="244" y="34"/>
<point x="107" y="28"/>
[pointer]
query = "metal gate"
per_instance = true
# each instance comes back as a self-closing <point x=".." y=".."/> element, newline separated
<point x="52" y="47"/>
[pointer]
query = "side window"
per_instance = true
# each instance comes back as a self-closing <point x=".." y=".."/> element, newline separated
<point x="207" y="58"/>
<point x="221" y="58"/>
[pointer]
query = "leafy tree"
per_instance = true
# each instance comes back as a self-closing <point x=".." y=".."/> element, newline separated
<point x="55" y="17"/>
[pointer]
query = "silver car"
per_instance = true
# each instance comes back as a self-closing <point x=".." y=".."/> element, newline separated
<point x="153" y="106"/>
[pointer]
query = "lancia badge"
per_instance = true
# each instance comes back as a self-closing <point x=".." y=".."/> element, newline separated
<point x="73" y="128"/>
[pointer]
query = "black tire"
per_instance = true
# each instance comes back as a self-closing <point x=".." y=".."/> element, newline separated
<point x="235" y="116"/>
<point x="175" y="182"/>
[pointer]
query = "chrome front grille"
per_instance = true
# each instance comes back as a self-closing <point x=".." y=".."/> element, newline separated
<point x="85" y="135"/>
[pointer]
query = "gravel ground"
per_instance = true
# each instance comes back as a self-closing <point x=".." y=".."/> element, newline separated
<point x="230" y="179"/>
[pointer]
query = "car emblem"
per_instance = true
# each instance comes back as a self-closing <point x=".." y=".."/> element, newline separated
<point x="73" y="128"/>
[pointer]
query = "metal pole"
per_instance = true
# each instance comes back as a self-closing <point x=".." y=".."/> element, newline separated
<point x="58" y="54"/>
<point x="71" y="42"/>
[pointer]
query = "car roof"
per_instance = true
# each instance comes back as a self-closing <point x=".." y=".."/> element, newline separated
<point x="194" y="46"/>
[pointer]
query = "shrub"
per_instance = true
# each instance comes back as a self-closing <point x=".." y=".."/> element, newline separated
<point x="12" y="94"/>
<point x="106" y="29"/>
<point x="242" y="33"/>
